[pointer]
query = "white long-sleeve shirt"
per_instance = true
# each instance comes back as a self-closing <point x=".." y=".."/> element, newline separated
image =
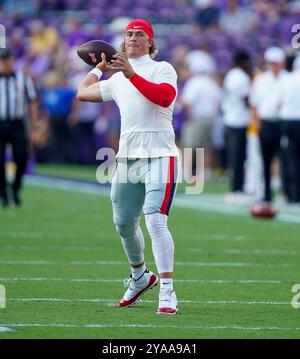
<point x="203" y="95"/>
<point x="265" y="94"/>
<point x="146" y="128"/>
<point x="290" y="97"/>
<point x="236" y="89"/>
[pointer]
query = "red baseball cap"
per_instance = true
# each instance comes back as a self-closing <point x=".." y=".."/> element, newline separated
<point x="141" y="25"/>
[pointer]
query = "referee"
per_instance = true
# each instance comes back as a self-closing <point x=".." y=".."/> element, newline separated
<point x="18" y="100"/>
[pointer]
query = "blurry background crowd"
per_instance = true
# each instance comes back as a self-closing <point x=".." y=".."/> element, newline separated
<point x="205" y="40"/>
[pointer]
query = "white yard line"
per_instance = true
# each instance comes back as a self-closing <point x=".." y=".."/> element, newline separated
<point x="121" y="263"/>
<point x="258" y="251"/>
<point x="30" y="248"/>
<point x="45" y="279"/>
<point x="218" y="237"/>
<point x="110" y="300"/>
<point x="34" y="235"/>
<point x="180" y="281"/>
<point x="5" y="329"/>
<point x="269" y="252"/>
<point x="150" y="326"/>
<point x="67" y="185"/>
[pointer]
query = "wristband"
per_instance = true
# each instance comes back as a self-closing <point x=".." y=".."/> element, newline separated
<point x="96" y="72"/>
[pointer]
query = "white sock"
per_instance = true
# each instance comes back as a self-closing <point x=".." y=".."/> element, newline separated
<point x="162" y="241"/>
<point x="138" y="272"/>
<point x="166" y="283"/>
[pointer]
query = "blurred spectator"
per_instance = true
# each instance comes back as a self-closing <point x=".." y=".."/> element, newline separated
<point x="265" y="100"/>
<point x="219" y="147"/>
<point x="201" y="95"/>
<point x="290" y="114"/>
<point x="179" y="54"/>
<point x="207" y="14"/>
<point x="25" y="7"/>
<point x="200" y="61"/>
<point x="16" y="42"/>
<point x="236" y="19"/>
<point x="43" y="39"/>
<point x="268" y="9"/>
<point x="179" y="115"/>
<point x="58" y="103"/>
<point x="111" y="115"/>
<point x="253" y="185"/>
<point x="116" y="28"/>
<point x="83" y="118"/>
<point x="74" y="32"/>
<point x="43" y="47"/>
<point x="36" y="64"/>
<point x="236" y="117"/>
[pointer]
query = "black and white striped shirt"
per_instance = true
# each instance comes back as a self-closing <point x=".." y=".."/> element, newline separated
<point x="16" y="91"/>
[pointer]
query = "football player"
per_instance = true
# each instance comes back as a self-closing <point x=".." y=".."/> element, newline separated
<point x="145" y="92"/>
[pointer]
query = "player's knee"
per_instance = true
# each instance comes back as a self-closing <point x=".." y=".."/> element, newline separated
<point x="125" y="230"/>
<point x="156" y="222"/>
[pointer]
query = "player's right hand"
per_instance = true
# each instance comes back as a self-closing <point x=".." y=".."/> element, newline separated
<point x="103" y="65"/>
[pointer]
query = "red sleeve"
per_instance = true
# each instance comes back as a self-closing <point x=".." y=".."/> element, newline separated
<point x="160" y="94"/>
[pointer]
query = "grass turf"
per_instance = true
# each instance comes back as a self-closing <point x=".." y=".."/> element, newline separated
<point x="61" y="236"/>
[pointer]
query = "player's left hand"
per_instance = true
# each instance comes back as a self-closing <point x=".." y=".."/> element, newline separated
<point x="121" y="63"/>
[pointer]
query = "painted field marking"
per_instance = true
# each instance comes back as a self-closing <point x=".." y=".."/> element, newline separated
<point x="181" y="281"/>
<point x="150" y="326"/>
<point x="30" y="248"/>
<point x="259" y="251"/>
<point x="5" y="329"/>
<point x="110" y="300"/>
<point x="116" y="263"/>
<point x="270" y="252"/>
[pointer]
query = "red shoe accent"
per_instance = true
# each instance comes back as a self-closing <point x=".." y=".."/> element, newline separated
<point x="167" y="310"/>
<point x="152" y="283"/>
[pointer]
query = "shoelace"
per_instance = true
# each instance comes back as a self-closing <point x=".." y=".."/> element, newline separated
<point x="130" y="280"/>
<point x="128" y="283"/>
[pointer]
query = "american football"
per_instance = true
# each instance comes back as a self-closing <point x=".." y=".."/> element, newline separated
<point x="90" y="52"/>
<point x="263" y="210"/>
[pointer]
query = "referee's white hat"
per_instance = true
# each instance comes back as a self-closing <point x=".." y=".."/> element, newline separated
<point x="274" y="55"/>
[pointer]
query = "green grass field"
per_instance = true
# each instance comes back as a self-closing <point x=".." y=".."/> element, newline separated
<point x="62" y="265"/>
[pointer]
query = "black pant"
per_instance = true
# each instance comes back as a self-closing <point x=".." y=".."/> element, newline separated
<point x="236" y="141"/>
<point x="269" y="136"/>
<point x="59" y="147"/>
<point x="88" y="145"/>
<point x="13" y="132"/>
<point x="291" y="130"/>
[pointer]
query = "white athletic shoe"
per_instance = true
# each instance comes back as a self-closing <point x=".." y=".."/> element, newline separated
<point x="167" y="302"/>
<point x="137" y="287"/>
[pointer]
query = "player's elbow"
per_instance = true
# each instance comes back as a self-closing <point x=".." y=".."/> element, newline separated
<point x="80" y="95"/>
<point x="168" y="99"/>
<point x="88" y="94"/>
<point x="166" y="102"/>
<point x="169" y="95"/>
